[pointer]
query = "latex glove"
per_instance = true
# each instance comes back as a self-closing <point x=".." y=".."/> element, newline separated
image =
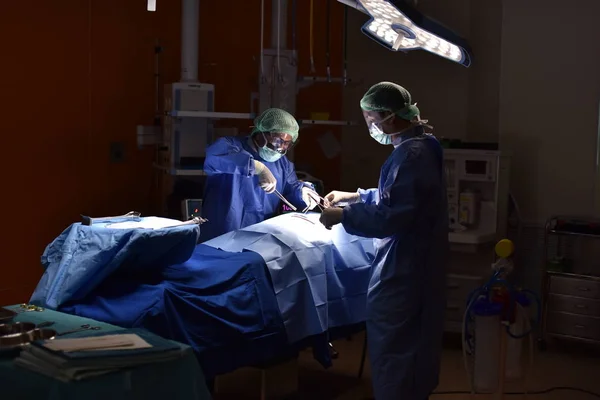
<point x="266" y="180"/>
<point x="331" y="216"/>
<point x="338" y="198"/>
<point x="310" y="197"/>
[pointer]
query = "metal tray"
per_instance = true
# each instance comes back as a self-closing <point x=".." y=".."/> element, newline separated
<point x="6" y="315"/>
<point x="14" y="336"/>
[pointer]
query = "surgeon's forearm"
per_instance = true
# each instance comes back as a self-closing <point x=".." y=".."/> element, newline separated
<point x="376" y="221"/>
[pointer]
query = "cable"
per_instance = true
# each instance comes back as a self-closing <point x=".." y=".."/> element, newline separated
<point x="485" y="292"/>
<point x="514" y="305"/>
<point x="534" y="393"/>
<point x="262" y="40"/>
<point x="464" y="346"/>
<point x="312" y="58"/>
<point x="537" y="320"/>
<point x="294" y="28"/>
<point x="345" y="45"/>
<point x="279" y="75"/>
<point x="527" y="320"/>
<point x="328" y="40"/>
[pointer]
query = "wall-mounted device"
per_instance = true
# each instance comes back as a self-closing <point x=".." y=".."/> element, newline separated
<point x="191" y="208"/>
<point x="187" y="138"/>
<point x="477" y="186"/>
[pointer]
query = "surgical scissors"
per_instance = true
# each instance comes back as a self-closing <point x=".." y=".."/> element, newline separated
<point x="287" y="203"/>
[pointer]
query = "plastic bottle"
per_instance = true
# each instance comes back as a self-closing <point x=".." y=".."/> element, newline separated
<point x="487" y="345"/>
<point x="514" y="346"/>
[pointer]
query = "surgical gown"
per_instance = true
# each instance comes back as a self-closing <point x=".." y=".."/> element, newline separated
<point x="232" y="197"/>
<point x="408" y="218"/>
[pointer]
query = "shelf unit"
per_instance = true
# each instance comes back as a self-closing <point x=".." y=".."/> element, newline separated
<point x="571" y="280"/>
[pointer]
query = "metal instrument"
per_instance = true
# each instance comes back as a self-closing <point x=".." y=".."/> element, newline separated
<point x="6" y="315"/>
<point x="17" y="327"/>
<point x="287" y="203"/>
<point x="86" y="327"/>
<point x="302" y="217"/>
<point x="87" y="221"/>
<point x="322" y="203"/>
<point x="16" y="335"/>
<point x="29" y="307"/>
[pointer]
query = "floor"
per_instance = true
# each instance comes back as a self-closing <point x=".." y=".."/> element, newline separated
<point x="561" y="365"/>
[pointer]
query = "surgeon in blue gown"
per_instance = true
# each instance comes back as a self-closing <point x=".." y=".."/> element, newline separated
<point x="408" y="218"/>
<point x="243" y="174"/>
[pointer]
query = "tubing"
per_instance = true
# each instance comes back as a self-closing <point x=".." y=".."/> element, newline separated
<point x="485" y="292"/>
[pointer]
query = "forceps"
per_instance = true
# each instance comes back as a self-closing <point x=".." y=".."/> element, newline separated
<point x="287" y="203"/>
<point x="322" y="200"/>
<point x="86" y="327"/>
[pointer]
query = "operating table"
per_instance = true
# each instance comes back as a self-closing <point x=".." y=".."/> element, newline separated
<point x="244" y="298"/>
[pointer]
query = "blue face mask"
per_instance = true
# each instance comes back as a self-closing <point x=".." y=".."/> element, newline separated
<point x="379" y="136"/>
<point x="268" y="154"/>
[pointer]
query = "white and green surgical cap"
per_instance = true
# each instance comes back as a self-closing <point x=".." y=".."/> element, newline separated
<point x="275" y="120"/>
<point x="390" y="97"/>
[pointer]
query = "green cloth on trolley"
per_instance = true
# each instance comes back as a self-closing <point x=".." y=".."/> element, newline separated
<point x="181" y="379"/>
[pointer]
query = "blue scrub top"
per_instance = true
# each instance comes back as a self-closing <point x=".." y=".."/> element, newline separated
<point x="232" y="197"/>
<point x="408" y="218"/>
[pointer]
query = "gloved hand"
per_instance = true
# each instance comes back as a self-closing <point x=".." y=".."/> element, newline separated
<point x="266" y="180"/>
<point x="331" y="216"/>
<point x="335" y="198"/>
<point x="310" y="197"/>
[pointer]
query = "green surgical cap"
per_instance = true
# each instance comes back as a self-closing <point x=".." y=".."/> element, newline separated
<point x="390" y="97"/>
<point x="275" y="120"/>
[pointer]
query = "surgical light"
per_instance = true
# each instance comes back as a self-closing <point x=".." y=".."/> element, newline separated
<point x="400" y="27"/>
<point x="151" y="5"/>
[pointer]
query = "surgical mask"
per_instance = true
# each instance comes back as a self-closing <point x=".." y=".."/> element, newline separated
<point x="268" y="154"/>
<point x="377" y="134"/>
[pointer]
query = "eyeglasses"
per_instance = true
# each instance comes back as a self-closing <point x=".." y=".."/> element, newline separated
<point x="277" y="143"/>
<point x="371" y="121"/>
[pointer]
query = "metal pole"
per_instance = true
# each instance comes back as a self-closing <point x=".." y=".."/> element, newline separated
<point x="597" y="180"/>
<point x="190" y="16"/>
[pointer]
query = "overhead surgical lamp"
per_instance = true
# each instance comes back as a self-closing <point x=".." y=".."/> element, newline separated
<point x="398" y="26"/>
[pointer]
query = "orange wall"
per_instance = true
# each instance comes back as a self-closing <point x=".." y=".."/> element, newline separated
<point x="77" y="75"/>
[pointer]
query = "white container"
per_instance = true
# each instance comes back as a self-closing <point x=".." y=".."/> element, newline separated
<point x="487" y="353"/>
<point x="514" y="346"/>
